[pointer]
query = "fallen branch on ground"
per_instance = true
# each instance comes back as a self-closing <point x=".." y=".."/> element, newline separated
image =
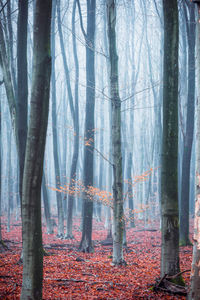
<point x="166" y="285"/>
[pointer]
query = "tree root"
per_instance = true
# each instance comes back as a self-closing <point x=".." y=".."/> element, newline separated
<point x="165" y="284"/>
<point x="3" y="246"/>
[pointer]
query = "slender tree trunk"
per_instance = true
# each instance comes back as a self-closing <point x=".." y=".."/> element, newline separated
<point x="47" y="210"/>
<point x="4" y="63"/>
<point x="74" y="109"/>
<point x="86" y="240"/>
<point x="9" y="174"/>
<point x="73" y="176"/>
<point x="32" y="179"/>
<point x="169" y="178"/>
<point x="130" y="191"/>
<point x="188" y="138"/>
<point x="54" y="129"/>
<point x="194" y="293"/>
<point x="10" y="42"/>
<point x="22" y="85"/>
<point x="118" y="213"/>
<point x="0" y="175"/>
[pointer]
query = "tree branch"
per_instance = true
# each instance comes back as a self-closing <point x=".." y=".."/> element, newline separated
<point x="81" y="20"/>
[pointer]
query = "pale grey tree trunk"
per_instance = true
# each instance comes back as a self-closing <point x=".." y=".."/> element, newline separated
<point x="11" y="44"/>
<point x="118" y="214"/>
<point x="47" y="210"/>
<point x="74" y="109"/>
<point x="33" y="170"/>
<point x="54" y="129"/>
<point x="4" y="64"/>
<point x="75" y="117"/>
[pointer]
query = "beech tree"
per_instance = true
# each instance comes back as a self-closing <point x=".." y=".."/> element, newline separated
<point x="86" y="239"/>
<point x="54" y="128"/>
<point x="188" y="136"/>
<point x="74" y="109"/>
<point x="169" y="174"/>
<point x="118" y="214"/>
<point x="194" y="293"/>
<point x="32" y="179"/>
<point x="17" y="97"/>
<point x="22" y="85"/>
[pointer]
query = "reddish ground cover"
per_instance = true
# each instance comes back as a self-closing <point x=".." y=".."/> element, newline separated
<point x="69" y="274"/>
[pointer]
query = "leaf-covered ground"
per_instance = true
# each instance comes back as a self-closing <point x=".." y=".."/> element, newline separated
<point x="69" y="274"/>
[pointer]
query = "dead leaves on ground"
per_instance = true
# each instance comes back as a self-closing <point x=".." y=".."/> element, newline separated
<point x="69" y="274"/>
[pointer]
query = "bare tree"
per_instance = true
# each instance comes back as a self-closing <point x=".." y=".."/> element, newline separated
<point x="86" y="240"/>
<point x="118" y="214"/>
<point x="33" y="170"/>
<point x="169" y="178"/>
<point x="194" y="293"/>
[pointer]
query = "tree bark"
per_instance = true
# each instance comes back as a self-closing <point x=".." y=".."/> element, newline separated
<point x="32" y="179"/>
<point x="4" y="63"/>
<point x="118" y="214"/>
<point x="188" y="138"/>
<point x="54" y="129"/>
<point x="76" y="131"/>
<point x="194" y="293"/>
<point x="0" y="175"/>
<point x="22" y="85"/>
<point x="169" y="178"/>
<point x="47" y="210"/>
<point x="86" y="240"/>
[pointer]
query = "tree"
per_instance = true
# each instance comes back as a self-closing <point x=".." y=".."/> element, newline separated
<point x="194" y="293"/>
<point x="1" y="242"/>
<point x="188" y="137"/>
<point x="86" y="240"/>
<point x="74" y="109"/>
<point x="17" y="100"/>
<point x="54" y="128"/>
<point x="22" y="85"/>
<point x="169" y="179"/>
<point x="32" y="179"/>
<point x="7" y="78"/>
<point x="118" y="214"/>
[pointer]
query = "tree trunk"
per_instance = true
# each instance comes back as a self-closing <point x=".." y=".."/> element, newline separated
<point x="32" y="179"/>
<point x="47" y="211"/>
<point x="10" y="44"/>
<point x="54" y="129"/>
<point x="130" y="191"/>
<point x="86" y="240"/>
<point x="75" y="117"/>
<point x="188" y="138"/>
<point x="0" y="174"/>
<point x="194" y="293"/>
<point x="118" y="214"/>
<point x="169" y="179"/>
<point x="22" y="85"/>
<point x="4" y="63"/>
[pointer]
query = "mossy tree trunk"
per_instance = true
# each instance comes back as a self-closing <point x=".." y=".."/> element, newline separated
<point x="169" y="176"/>
<point x="33" y="169"/>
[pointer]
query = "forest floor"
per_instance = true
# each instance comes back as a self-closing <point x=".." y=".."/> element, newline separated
<point x="69" y="274"/>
